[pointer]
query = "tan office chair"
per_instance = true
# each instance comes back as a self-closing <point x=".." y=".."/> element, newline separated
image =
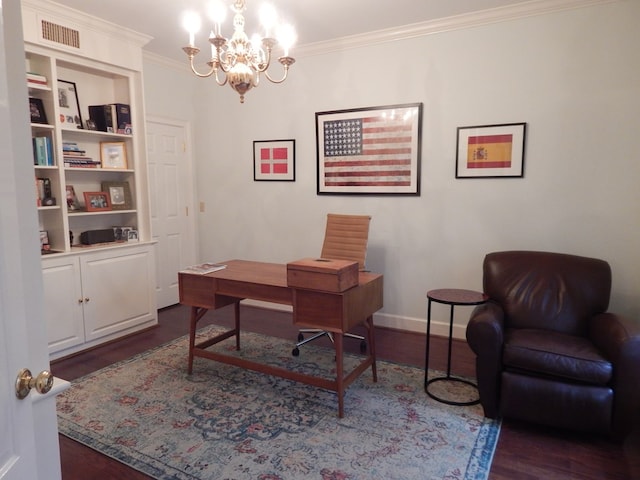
<point x="345" y="238"/>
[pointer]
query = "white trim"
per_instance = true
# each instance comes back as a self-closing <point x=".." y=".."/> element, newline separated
<point x="456" y="22"/>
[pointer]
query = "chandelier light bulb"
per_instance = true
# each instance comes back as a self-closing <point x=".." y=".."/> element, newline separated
<point x="286" y="37"/>
<point x="217" y="12"/>
<point x="268" y="18"/>
<point x="191" y="23"/>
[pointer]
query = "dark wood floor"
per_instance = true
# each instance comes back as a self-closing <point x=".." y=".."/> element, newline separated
<point x="523" y="452"/>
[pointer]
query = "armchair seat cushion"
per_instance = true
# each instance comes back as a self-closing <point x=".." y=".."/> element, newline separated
<point x="552" y="354"/>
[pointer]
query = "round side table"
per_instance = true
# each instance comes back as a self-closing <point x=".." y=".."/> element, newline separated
<point x="452" y="297"/>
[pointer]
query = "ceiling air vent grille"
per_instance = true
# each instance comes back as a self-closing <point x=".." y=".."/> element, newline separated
<point x="59" y="34"/>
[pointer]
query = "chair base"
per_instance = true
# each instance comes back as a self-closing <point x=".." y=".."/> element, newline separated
<point x="321" y="333"/>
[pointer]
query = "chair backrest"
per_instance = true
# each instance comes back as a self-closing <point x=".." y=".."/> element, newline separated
<point x="346" y="238"/>
<point x="549" y="291"/>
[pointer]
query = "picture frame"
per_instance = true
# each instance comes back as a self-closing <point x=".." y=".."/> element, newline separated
<point x="381" y="157"/>
<point x="113" y="155"/>
<point x="132" y="236"/>
<point x="274" y="160"/>
<point x="491" y="151"/>
<point x="119" y="195"/>
<point x="72" y="199"/>
<point x="36" y="109"/>
<point x="69" y="118"/>
<point x="96" y="201"/>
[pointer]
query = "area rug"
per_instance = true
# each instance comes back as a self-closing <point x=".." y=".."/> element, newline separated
<point x="223" y="422"/>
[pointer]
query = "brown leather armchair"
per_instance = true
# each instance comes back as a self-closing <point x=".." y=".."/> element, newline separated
<point x="547" y="349"/>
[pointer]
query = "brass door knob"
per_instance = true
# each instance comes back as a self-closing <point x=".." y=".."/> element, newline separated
<point x="25" y="382"/>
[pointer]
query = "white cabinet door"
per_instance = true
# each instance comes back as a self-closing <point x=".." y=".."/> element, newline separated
<point x="63" y="302"/>
<point x="118" y="290"/>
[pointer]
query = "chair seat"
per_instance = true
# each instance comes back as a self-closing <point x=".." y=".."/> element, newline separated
<point x="555" y="354"/>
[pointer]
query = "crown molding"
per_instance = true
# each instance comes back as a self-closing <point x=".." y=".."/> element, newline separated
<point x="166" y="62"/>
<point x="447" y="24"/>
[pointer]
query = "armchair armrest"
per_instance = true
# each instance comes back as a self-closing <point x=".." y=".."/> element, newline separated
<point x="618" y="338"/>
<point x="485" y="335"/>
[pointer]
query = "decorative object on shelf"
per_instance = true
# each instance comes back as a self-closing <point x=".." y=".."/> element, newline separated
<point x="45" y="247"/>
<point x="113" y="155"/>
<point x="274" y="160"/>
<point x="491" y="151"/>
<point x="240" y="59"/>
<point x="72" y="200"/>
<point x="132" y="236"/>
<point x="90" y="125"/>
<point x="36" y="109"/>
<point x="96" y="201"/>
<point x="119" y="195"/>
<point x="372" y="150"/>
<point x="70" y="117"/>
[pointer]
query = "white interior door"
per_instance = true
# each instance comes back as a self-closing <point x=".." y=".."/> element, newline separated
<point x="23" y="344"/>
<point x="172" y="210"/>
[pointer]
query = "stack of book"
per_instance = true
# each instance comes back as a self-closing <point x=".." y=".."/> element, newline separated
<point x="36" y="80"/>
<point x="114" y="117"/>
<point x="74" y="156"/>
<point x="42" y="151"/>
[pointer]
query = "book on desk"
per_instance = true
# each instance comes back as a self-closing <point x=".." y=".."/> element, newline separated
<point x="204" y="268"/>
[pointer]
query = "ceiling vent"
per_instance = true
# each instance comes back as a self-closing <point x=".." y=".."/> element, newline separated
<point x="59" y="34"/>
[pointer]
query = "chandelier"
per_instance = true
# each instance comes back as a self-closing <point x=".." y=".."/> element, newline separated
<point x="241" y="60"/>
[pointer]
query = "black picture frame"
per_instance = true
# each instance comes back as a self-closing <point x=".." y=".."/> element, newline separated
<point x="491" y="151"/>
<point x="36" y="109"/>
<point x="274" y="160"/>
<point x="382" y="156"/>
<point x="70" y="117"/>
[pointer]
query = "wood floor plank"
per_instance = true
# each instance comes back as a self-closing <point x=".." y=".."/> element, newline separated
<point x="524" y="451"/>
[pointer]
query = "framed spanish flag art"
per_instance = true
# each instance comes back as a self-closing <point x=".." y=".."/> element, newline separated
<point x="491" y="151"/>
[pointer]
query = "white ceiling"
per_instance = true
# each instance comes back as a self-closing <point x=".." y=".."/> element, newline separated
<point x="314" y="20"/>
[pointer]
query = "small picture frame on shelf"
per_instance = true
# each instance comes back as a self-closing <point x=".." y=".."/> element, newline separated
<point x="132" y="236"/>
<point x="36" y="109"/>
<point x="45" y="247"/>
<point x="70" y="117"/>
<point x="90" y="125"/>
<point x="119" y="195"/>
<point x="72" y="199"/>
<point x="113" y="155"/>
<point x="96" y="201"/>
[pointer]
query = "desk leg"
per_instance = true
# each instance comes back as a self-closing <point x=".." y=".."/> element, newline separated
<point x="372" y="347"/>
<point x="236" y="308"/>
<point x="339" y="344"/>
<point x="196" y="315"/>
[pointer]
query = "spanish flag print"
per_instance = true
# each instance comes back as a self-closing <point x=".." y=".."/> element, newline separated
<point x="489" y="151"/>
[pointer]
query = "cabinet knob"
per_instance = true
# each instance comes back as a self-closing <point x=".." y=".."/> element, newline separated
<point x="80" y="300"/>
<point x="86" y="299"/>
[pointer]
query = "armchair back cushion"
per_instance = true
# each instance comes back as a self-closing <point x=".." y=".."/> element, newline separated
<point x="547" y="291"/>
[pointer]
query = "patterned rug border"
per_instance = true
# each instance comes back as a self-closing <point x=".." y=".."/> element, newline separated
<point x="478" y="466"/>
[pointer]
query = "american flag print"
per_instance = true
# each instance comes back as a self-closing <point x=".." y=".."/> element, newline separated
<point x="369" y="150"/>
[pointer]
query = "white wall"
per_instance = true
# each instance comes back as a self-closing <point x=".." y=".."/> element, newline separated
<point x="573" y="76"/>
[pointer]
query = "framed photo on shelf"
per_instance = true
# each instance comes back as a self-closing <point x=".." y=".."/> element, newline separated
<point x="274" y="160"/>
<point x="72" y="199"/>
<point x="69" y="105"/>
<point x="36" y="108"/>
<point x="119" y="195"/>
<point x="113" y="155"/>
<point x="370" y="151"/>
<point x="96" y="201"/>
<point x="491" y="151"/>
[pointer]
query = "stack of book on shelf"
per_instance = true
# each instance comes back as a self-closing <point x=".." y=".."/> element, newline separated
<point x="36" y="80"/>
<point x="74" y="156"/>
<point x="114" y="117"/>
<point x="42" y="151"/>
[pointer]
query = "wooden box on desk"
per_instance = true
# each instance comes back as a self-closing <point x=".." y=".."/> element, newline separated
<point x="322" y="274"/>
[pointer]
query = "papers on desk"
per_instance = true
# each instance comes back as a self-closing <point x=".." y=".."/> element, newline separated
<point x="204" y="268"/>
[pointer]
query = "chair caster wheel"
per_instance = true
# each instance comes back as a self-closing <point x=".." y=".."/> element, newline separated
<point x="363" y="347"/>
<point x="295" y="352"/>
<point x="300" y="337"/>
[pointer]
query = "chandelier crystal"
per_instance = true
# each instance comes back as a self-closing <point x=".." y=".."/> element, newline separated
<point x="240" y="60"/>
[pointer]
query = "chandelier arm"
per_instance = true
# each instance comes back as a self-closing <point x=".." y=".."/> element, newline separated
<point x="286" y="63"/>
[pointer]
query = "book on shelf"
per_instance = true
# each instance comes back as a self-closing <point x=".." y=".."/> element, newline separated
<point x="42" y="151"/>
<point x="204" y="268"/>
<point x="113" y="117"/>
<point x="36" y="79"/>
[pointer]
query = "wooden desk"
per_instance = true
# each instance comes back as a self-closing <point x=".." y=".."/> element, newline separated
<point x="335" y="312"/>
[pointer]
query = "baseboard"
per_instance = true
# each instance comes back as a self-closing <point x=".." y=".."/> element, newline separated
<point x="397" y="322"/>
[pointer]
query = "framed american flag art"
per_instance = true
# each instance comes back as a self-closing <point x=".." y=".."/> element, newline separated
<point x="274" y="160"/>
<point x="370" y="151"/>
<point x="491" y="151"/>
